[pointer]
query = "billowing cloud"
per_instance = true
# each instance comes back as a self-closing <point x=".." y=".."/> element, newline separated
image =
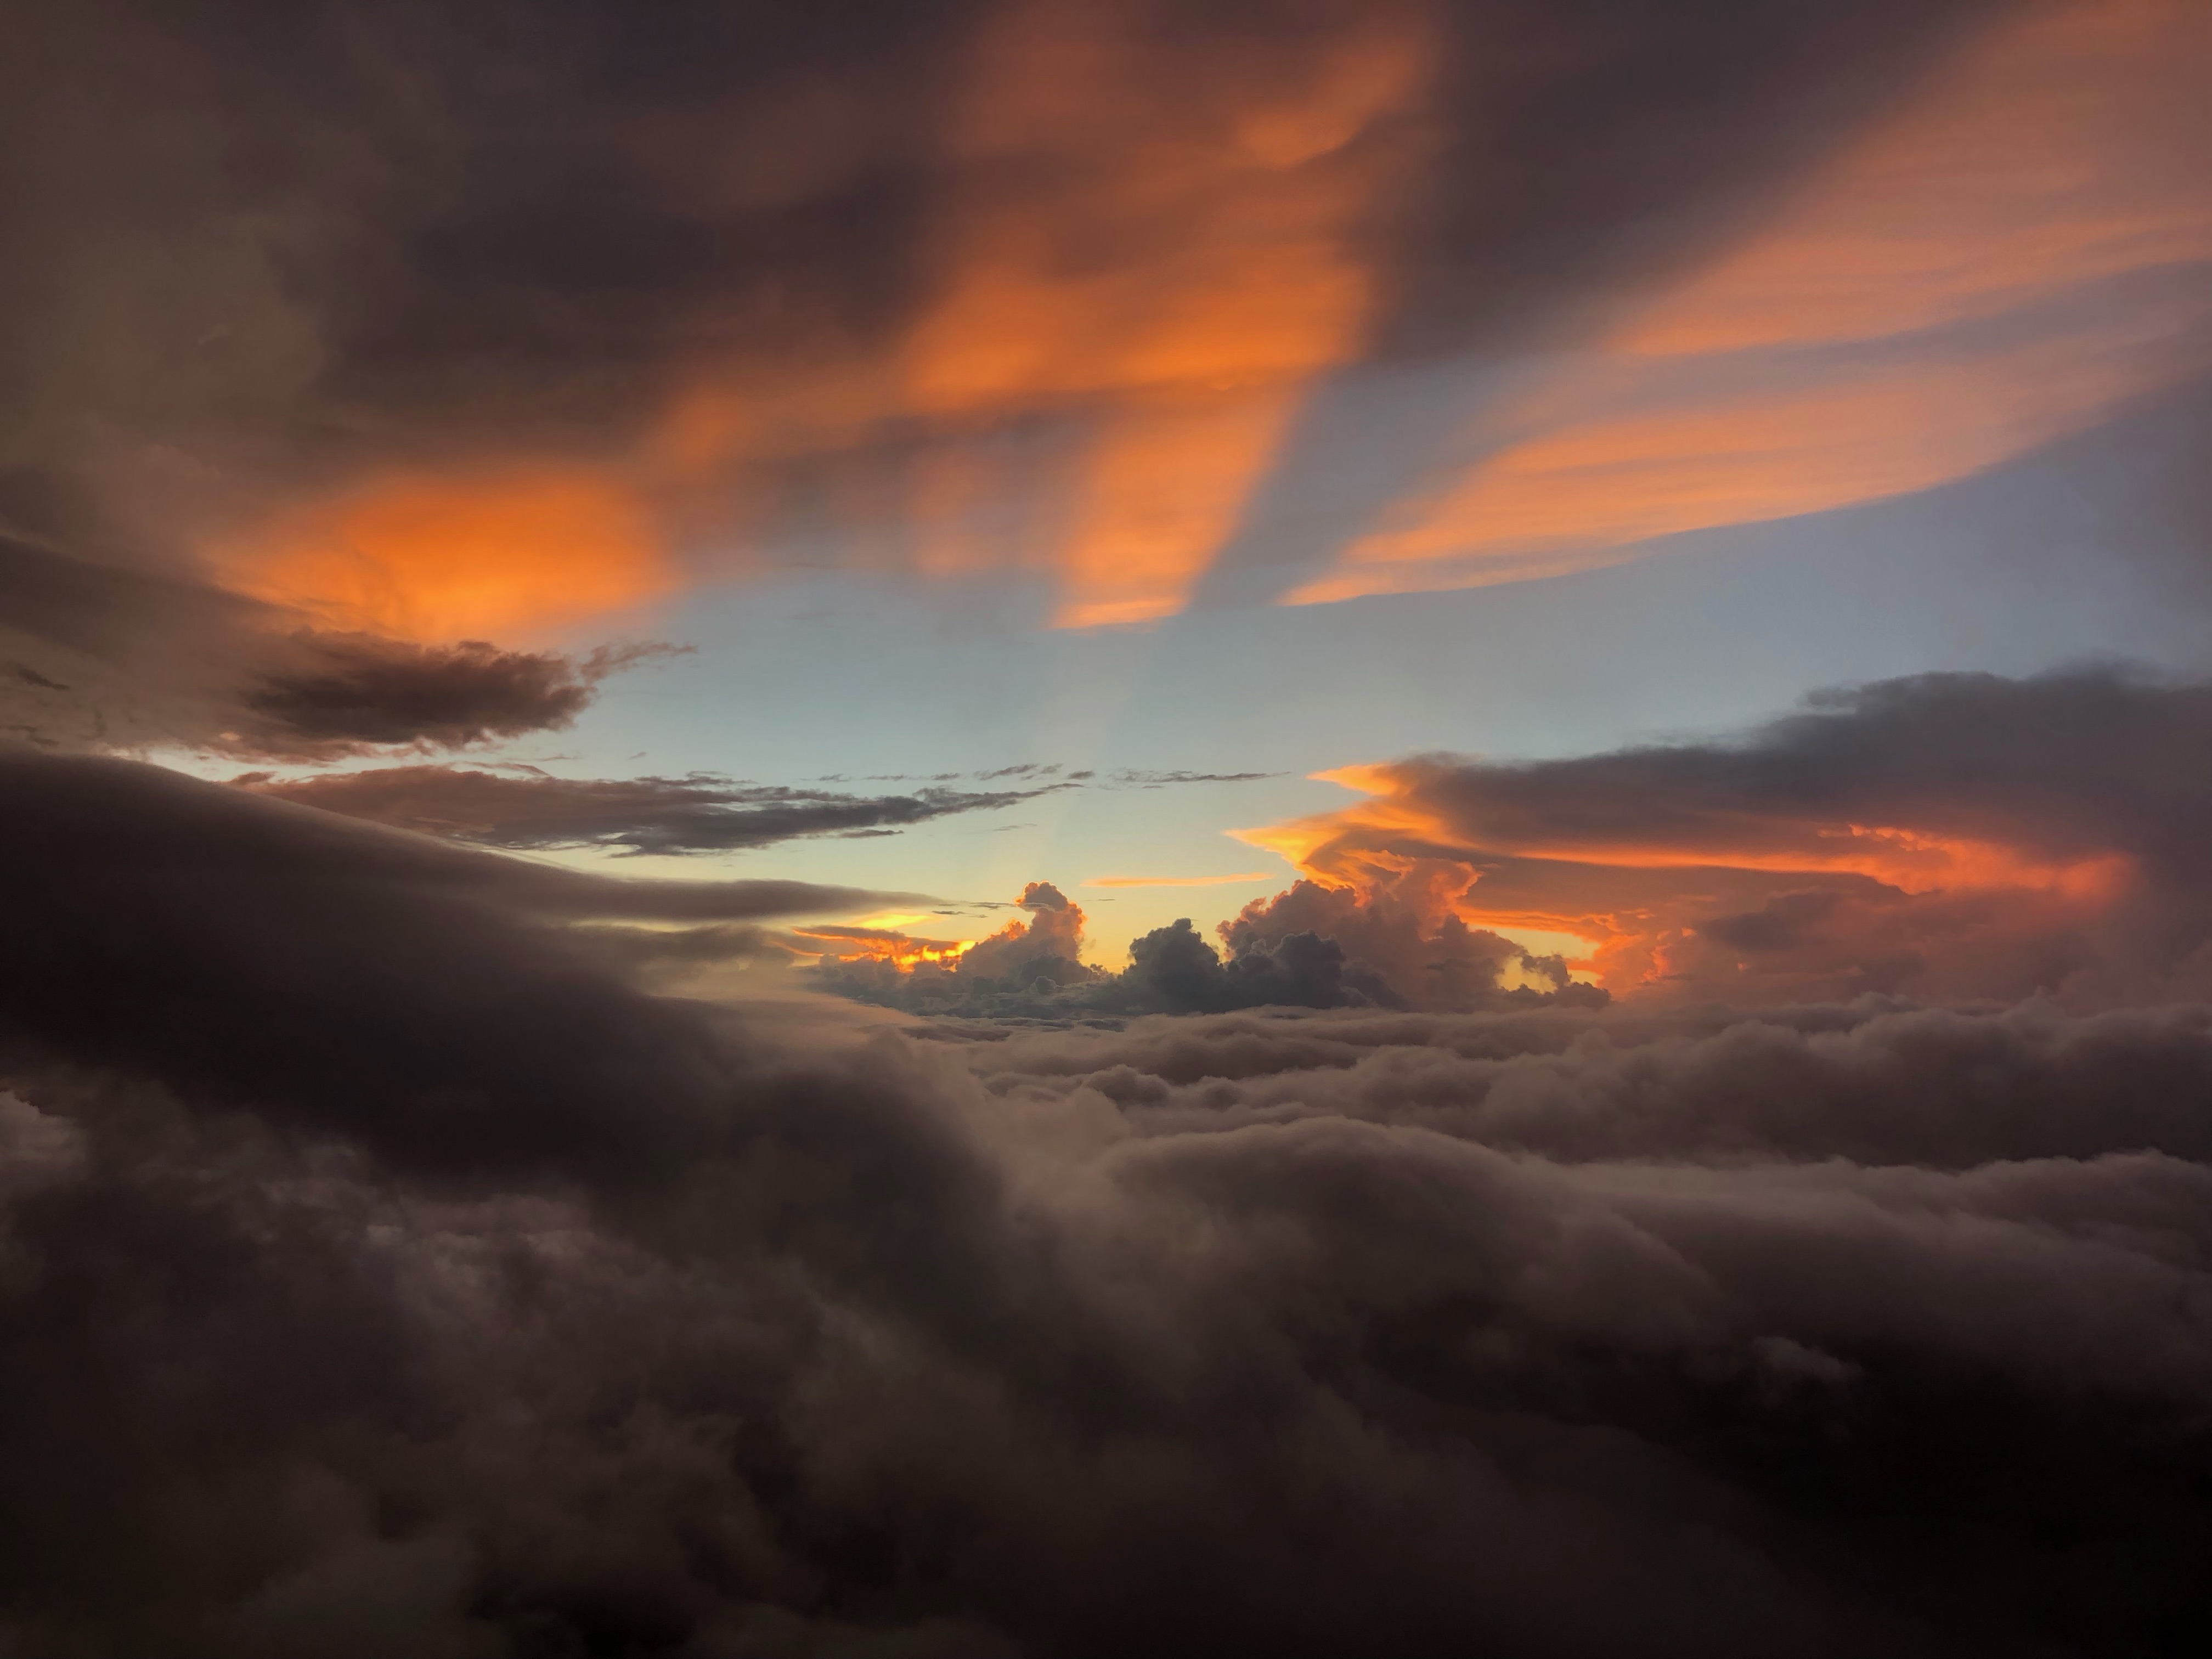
<point x="1951" y="835"/>
<point x="1312" y="947"/>
<point x="379" y="1273"/>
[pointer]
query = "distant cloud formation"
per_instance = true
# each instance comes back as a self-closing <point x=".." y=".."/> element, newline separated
<point x="1312" y="947"/>
<point x="522" y="807"/>
<point x="1950" y="834"/>
<point x="382" y="1269"/>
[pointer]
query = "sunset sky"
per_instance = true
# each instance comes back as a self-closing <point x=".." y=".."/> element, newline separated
<point x="1570" y="511"/>
<point x="1062" y="386"/>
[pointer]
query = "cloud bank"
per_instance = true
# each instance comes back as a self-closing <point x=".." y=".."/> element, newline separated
<point x="380" y="1275"/>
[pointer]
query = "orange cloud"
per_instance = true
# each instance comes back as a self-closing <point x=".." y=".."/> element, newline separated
<point x="1159" y="257"/>
<point x="881" y="945"/>
<point x="1639" y="909"/>
<point x="1857" y="348"/>
<point x="433" y="557"/>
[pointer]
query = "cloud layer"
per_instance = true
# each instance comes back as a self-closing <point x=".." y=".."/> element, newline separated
<point x="382" y="1275"/>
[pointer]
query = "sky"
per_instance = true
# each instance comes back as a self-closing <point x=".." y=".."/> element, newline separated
<point x="1320" y="748"/>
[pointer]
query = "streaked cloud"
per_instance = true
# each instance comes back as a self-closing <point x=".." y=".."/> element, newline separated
<point x="2013" y="256"/>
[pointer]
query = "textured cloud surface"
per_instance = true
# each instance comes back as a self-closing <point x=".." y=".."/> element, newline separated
<point x="393" y="1280"/>
<point x="1727" y="1197"/>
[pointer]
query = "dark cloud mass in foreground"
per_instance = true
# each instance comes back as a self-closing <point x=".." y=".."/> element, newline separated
<point x="383" y="1276"/>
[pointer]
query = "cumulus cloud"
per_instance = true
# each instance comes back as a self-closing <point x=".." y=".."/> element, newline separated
<point x="379" y="1276"/>
<point x="1312" y="947"/>
<point x="1950" y="834"/>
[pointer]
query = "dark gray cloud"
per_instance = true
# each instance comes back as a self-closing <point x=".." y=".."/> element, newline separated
<point x="194" y="930"/>
<point x="1157" y="779"/>
<point x="103" y="655"/>
<point x="381" y="1276"/>
<point x="521" y="807"/>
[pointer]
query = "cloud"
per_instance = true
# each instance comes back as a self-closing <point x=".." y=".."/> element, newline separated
<point x="712" y="292"/>
<point x="521" y="807"/>
<point x="2014" y="255"/>
<point x="381" y="1276"/>
<point x="1312" y="947"/>
<point x="529" y="809"/>
<point x="107" y="656"/>
<point x="350" y="693"/>
<point x="1956" y="835"/>
<point x="1157" y="780"/>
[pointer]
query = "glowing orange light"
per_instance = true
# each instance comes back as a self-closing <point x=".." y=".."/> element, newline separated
<point x="446" y="558"/>
<point x="2059" y="153"/>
